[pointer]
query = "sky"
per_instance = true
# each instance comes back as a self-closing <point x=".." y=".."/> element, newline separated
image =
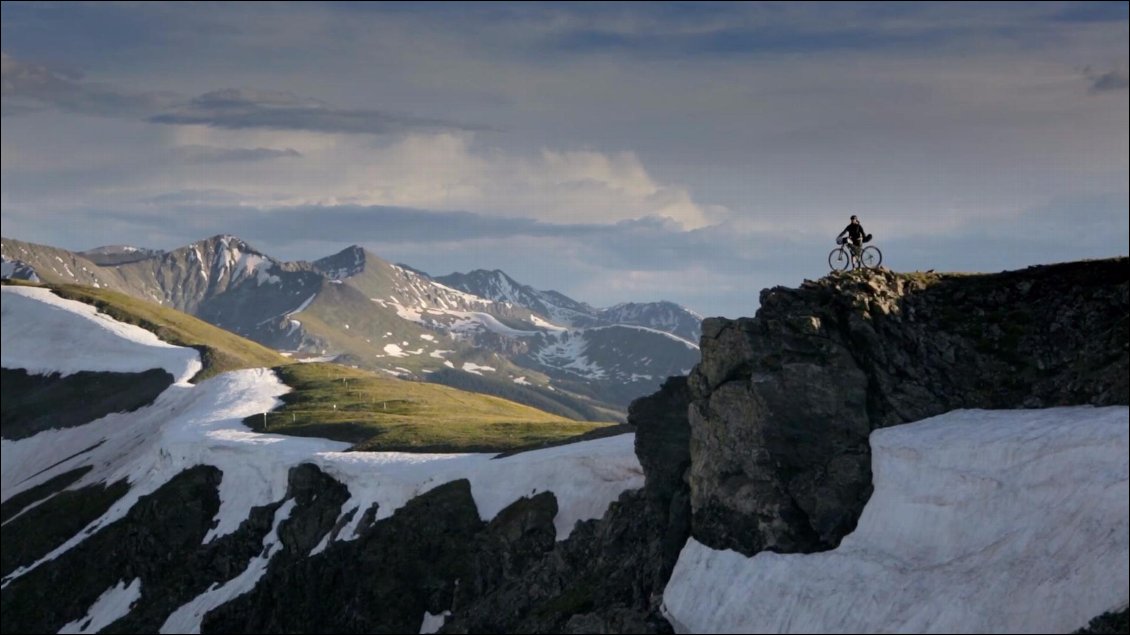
<point x="692" y="152"/>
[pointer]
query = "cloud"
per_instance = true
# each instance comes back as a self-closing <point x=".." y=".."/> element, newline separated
<point x="216" y="154"/>
<point x="451" y="172"/>
<point x="28" y="87"/>
<point x="1107" y="82"/>
<point x="236" y="108"/>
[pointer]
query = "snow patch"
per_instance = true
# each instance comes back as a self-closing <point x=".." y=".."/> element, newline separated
<point x="475" y="368"/>
<point x="585" y="477"/>
<point x="44" y="333"/>
<point x="432" y="623"/>
<point x="395" y="351"/>
<point x="187" y="618"/>
<point x="980" y="522"/>
<point x="114" y="604"/>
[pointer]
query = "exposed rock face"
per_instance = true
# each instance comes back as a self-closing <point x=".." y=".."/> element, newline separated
<point x="609" y="575"/>
<point x="783" y="403"/>
<point x="33" y="403"/>
<point x="158" y="541"/>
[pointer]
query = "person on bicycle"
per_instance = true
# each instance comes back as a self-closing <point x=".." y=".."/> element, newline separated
<point x="855" y="235"/>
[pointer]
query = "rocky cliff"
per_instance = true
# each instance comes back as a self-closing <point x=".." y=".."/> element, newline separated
<point x="783" y="403"/>
<point x="765" y="444"/>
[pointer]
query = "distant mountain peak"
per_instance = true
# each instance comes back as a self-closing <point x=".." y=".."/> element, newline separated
<point x="344" y="264"/>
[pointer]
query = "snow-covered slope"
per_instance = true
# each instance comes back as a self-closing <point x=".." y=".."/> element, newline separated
<point x="44" y="333"/>
<point x="193" y="425"/>
<point x="981" y="521"/>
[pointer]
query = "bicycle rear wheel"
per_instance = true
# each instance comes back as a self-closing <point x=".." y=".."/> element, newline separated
<point x="871" y="257"/>
<point x="839" y="259"/>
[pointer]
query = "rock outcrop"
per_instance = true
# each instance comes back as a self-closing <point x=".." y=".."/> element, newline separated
<point x="783" y="403"/>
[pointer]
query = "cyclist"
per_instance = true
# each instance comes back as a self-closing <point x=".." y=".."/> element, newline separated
<point x="855" y="235"/>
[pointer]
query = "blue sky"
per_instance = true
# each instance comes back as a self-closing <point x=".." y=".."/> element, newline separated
<point x="694" y="152"/>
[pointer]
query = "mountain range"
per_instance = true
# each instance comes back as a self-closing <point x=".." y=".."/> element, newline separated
<point x="481" y="330"/>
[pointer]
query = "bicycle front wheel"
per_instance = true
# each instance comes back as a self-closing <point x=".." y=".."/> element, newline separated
<point x="871" y="257"/>
<point x="839" y="259"/>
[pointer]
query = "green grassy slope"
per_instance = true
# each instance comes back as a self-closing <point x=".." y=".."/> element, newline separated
<point x="380" y="414"/>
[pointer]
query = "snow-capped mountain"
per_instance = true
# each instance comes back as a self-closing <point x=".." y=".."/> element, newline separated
<point x="661" y="316"/>
<point x="496" y="285"/>
<point x="561" y="309"/>
<point x="484" y="328"/>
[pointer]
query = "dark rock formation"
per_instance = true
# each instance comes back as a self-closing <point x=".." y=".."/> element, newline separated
<point x="783" y="403"/>
<point x="33" y="403"/>
<point x="609" y="575"/>
<point x="159" y="541"/>
<point x="40" y="529"/>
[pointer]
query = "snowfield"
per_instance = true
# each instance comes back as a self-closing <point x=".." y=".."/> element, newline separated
<point x="44" y="334"/>
<point x="981" y="521"/>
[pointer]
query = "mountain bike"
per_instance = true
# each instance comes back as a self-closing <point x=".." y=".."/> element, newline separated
<point x="847" y="256"/>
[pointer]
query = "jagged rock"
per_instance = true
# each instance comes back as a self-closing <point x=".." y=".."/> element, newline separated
<point x="662" y="437"/>
<point x="609" y="575"/>
<point x="383" y="581"/>
<point x="159" y="541"/>
<point x="783" y="403"/>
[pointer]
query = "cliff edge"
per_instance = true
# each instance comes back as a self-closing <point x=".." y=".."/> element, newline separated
<point x="782" y="404"/>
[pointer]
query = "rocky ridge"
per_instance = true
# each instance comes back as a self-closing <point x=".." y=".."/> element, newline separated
<point x="783" y="403"/>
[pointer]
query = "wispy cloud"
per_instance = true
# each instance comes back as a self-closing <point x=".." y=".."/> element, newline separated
<point x="28" y="87"/>
<point x="216" y="154"/>
<point x="237" y="108"/>
<point x="1109" y="81"/>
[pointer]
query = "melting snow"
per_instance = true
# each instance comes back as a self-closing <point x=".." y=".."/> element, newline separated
<point x="395" y="351"/>
<point x="432" y="623"/>
<point x="111" y="606"/>
<point x="567" y="352"/>
<point x="475" y="368"/>
<point x="187" y="618"/>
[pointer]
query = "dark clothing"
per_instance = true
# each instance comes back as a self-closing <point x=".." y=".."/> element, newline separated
<point x="855" y="233"/>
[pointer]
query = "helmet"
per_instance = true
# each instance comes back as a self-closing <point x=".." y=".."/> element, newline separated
<point x="854" y="217"/>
